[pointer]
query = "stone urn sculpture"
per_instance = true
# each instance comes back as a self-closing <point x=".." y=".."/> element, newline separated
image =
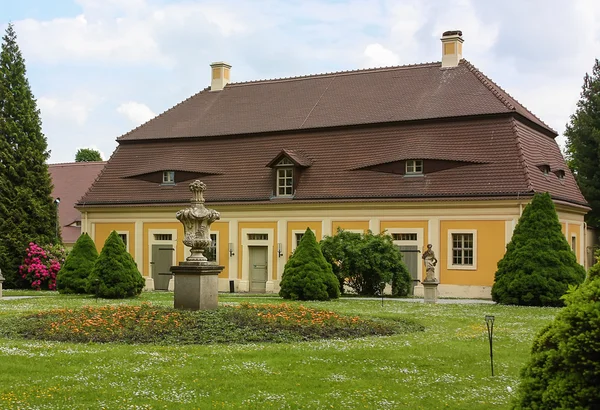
<point x="196" y="222"/>
<point x="196" y="278"/>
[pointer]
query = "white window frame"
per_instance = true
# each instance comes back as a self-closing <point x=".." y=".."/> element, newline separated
<point x="450" y="264"/>
<point x="216" y="246"/>
<point x="126" y="233"/>
<point x="168" y="178"/>
<point x="288" y="181"/>
<point x="574" y="242"/>
<point x="414" y="167"/>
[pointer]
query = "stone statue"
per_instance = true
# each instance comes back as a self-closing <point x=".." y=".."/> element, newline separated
<point x="430" y="262"/>
<point x="196" y="222"/>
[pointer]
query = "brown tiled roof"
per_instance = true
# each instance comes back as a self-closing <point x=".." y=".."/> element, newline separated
<point x="383" y="95"/>
<point x="71" y="181"/>
<point x="498" y="154"/>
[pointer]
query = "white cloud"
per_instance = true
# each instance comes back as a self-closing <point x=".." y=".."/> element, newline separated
<point x="137" y="113"/>
<point x="74" y="109"/>
<point x="379" y="56"/>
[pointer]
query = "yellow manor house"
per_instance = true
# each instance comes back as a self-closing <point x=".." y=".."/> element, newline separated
<point x="429" y="153"/>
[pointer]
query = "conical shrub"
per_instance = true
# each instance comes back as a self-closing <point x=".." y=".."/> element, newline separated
<point x="307" y="275"/>
<point x="73" y="275"/>
<point x="115" y="274"/>
<point x="564" y="369"/>
<point x="539" y="265"/>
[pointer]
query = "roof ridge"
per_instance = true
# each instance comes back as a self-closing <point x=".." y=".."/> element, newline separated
<point x="521" y="155"/>
<point x="498" y="91"/>
<point x="77" y="163"/>
<point x="163" y="113"/>
<point x="333" y="74"/>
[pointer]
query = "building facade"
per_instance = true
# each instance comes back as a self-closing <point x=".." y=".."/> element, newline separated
<point x="430" y="154"/>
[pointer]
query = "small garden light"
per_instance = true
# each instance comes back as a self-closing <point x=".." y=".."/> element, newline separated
<point x="489" y="321"/>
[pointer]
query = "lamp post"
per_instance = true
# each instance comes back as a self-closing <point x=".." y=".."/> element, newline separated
<point x="56" y="202"/>
<point x="489" y="321"/>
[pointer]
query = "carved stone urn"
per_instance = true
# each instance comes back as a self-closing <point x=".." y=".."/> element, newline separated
<point x="196" y="222"/>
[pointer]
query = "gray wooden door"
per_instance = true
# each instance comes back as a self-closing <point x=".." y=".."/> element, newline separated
<point x="258" y="268"/>
<point x="410" y="257"/>
<point x="162" y="259"/>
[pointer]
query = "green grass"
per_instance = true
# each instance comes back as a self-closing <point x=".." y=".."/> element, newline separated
<point x="445" y="366"/>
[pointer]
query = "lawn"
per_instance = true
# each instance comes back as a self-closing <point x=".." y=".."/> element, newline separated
<point x="445" y="366"/>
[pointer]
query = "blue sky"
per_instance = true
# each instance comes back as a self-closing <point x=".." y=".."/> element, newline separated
<point x="100" y="68"/>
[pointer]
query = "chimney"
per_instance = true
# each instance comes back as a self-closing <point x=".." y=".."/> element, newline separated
<point x="220" y="75"/>
<point x="451" y="48"/>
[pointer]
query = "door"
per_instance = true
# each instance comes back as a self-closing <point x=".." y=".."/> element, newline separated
<point x="258" y="268"/>
<point x="410" y="257"/>
<point x="162" y="259"/>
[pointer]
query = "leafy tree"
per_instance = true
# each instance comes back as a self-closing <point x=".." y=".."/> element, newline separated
<point x="307" y="275"/>
<point x="115" y="274"/>
<point x="564" y="369"/>
<point x="583" y="143"/>
<point x="363" y="262"/>
<point x="73" y="276"/>
<point x="539" y="265"/>
<point x="27" y="212"/>
<point x="87" y="155"/>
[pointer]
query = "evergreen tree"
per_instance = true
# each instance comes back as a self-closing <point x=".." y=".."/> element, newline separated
<point x="87" y="155"/>
<point x="73" y="275"/>
<point x="539" y="265"/>
<point x="27" y="212"/>
<point x="564" y="369"/>
<point x="583" y="143"/>
<point x="115" y="274"/>
<point x="307" y="275"/>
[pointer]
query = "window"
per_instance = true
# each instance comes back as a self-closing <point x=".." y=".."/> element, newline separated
<point x="414" y="166"/>
<point x="560" y="174"/>
<point x="404" y="236"/>
<point x="169" y="177"/>
<point x="211" y="251"/>
<point x="462" y="249"/>
<point x="123" y="237"/>
<point x="285" y="181"/>
<point x="298" y="238"/>
<point x="574" y="243"/>
<point x="163" y="237"/>
<point x="258" y="236"/>
<point x="545" y="169"/>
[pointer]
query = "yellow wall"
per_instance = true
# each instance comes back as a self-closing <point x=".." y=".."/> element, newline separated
<point x="102" y="230"/>
<point x="490" y="249"/>
<point x="364" y="225"/>
<point x="301" y="226"/>
<point x="563" y="227"/>
<point x="575" y="230"/>
<point x="274" y="241"/>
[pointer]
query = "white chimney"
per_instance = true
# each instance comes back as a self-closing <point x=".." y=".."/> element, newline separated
<point x="451" y="48"/>
<point x="220" y="75"/>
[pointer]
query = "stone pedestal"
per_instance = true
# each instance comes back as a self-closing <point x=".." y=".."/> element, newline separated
<point x="196" y="285"/>
<point x="430" y="291"/>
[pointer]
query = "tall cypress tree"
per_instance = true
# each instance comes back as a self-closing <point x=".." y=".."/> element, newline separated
<point x="27" y="211"/>
<point x="583" y="143"/>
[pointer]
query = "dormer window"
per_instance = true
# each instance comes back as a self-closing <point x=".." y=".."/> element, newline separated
<point x="545" y="169"/>
<point x="285" y="177"/>
<point x="560" y="174"/>
<point x="168" y="177"/>
<point x="414" y="166"/>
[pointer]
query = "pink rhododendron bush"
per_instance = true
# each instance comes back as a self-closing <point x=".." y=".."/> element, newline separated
<point x="41" y="265"/>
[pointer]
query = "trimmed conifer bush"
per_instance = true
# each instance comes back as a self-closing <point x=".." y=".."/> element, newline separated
<point x="307" y="275"/>
<point x="73" y="275"/>
<point x="539" y="265"/>
<point x="564" y="369"/>
<point x="115" y="274"/>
